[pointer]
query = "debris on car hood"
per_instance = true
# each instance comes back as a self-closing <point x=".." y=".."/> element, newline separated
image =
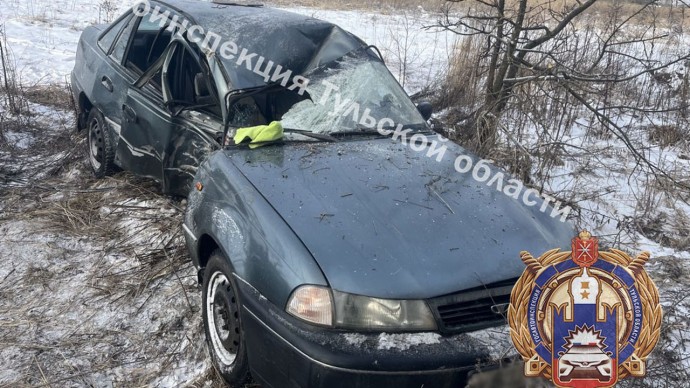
<point x="375" y="213"/>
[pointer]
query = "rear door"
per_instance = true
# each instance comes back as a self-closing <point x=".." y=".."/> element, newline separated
<point x="110" y="80"/>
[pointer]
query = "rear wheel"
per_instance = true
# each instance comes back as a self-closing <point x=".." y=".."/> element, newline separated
<point x="223" y="323"/>
<point x="101" y="147"/>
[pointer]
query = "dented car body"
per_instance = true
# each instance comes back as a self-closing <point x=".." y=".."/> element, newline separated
<point x="335" y="256"/>
<point x="164" y="97"/>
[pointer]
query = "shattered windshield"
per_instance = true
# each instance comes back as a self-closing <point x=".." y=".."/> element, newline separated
<point x="346" y="91"/>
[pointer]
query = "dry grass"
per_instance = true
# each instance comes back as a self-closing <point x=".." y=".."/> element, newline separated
<point x="665" y="367"/>
<point x="54" y="96"/>
<point x="550" y="109"/>
<point x="96" y="286"/>
<point x="464" y="70"/>
<point x="383" y="6"/>
<point x="668" y="135"/>
<point x="535" y="6"/>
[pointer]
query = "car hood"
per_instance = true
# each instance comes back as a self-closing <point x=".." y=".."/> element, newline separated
<point x="385" y="221"/>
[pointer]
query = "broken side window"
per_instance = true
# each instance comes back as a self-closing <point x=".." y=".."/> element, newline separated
<point x="148" y="44"/>
<point x="189" y="84"/>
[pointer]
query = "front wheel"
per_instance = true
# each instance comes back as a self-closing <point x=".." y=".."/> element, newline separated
<point x="223" y="323"/>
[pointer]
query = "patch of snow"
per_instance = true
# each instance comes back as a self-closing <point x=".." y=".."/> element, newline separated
<point x="405" y="341"/>
<point x="496" y="340"/>
<point x="355" y="339"/>
<point x="19" y="140"/>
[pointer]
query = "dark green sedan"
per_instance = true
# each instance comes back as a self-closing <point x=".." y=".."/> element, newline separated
<point x="338" y="246"/>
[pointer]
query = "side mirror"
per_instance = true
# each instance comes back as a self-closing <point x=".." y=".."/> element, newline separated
<point x="425" y="109"/>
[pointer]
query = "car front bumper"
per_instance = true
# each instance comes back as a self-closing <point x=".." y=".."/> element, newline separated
<point x="286" y="353"/>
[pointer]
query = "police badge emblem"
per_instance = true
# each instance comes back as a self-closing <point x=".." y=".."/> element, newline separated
<point x="584" y="318"/>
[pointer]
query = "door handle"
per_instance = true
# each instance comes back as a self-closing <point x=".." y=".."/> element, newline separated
<point x="107" y="83"/>
<point x="130" y="114"/>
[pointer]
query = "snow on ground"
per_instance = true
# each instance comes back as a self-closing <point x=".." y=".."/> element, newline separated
<point x="416" y="56"/>
<point x="96" y="288"/>
<point x="43" y="37"/>
<point x="406" y="341"/>
<point x="82" y="302"/>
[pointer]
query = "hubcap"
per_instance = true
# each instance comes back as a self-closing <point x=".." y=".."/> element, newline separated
<point x="222" y="315"/>
<point x="95" y="145"/>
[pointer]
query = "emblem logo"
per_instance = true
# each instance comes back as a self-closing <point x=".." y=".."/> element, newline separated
<point x="584" y="318"/>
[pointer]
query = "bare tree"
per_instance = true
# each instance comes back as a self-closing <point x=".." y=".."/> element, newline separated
<point x="547" y="47"/>
<point x="8" y="77"/>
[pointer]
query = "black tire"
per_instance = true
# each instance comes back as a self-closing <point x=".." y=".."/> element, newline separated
<point x="223" y="322"/>
<point x="101" y="147"/>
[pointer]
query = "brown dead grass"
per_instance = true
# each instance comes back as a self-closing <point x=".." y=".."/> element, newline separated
<point x="383" y="6"/>
<point x="103" y="248"/>
<point x="667" y="135"/>
<point x="56" y="96"/>
<point x="677" y="17"/>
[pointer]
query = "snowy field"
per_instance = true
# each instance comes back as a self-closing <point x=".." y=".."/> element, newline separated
<point x="95" y="286"/>
<point x="43" y="36"/>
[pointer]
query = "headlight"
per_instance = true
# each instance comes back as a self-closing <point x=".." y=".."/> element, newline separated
<point x="364" y="313"/>
<point x="315" y="304"/>
<point x="312" y="304"/>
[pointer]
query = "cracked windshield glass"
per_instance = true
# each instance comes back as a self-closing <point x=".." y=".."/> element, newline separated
<point x="342" y="92"/>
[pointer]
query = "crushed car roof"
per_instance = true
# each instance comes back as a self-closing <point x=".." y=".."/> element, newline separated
<point x="295" y="42"/>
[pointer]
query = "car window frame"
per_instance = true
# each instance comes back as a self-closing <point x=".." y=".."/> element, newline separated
<point x="173" y="15"/>
<point x="148" y="88"/>
<point x="126" y="17"/>
<point x="129" y="42"/>
<point x="183" y="44"/>
<point x="164" y="95"/>
<point x="128" y="48"/>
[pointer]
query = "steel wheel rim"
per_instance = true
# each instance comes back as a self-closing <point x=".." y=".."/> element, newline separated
<point x="95" y="145"/>
<point x="222" y="315"/>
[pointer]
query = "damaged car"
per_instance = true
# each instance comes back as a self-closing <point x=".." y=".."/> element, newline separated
<point x="328" y="254"/>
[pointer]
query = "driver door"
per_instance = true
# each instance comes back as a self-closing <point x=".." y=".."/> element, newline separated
<point x="191" y="94"/>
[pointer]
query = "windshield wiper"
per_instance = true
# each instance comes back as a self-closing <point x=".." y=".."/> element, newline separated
<point x="361" y="130"/>
<point x="368" y="132"/>
<point x="313" y="135"/>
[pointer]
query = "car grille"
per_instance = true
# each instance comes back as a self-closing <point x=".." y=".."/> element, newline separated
<point x="471" y="310"/>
